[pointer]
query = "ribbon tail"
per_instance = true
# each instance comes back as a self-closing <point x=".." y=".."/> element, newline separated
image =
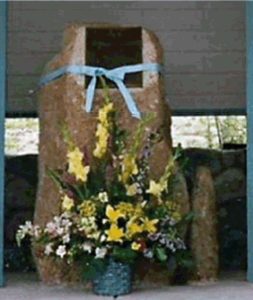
<point x="90" y="94"/>
<point x="131" y="105"/>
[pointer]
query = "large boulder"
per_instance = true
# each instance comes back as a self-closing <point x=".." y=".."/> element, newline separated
<point x="64" y="98"/>
<point x="204" y="241"/>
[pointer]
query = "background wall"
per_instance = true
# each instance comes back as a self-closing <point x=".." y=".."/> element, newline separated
<point x="204" y="44"/>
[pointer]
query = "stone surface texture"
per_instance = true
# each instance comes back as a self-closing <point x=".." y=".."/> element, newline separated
<point x="63" y="100"/>
<point x="228" y="168"/>
<point x="204" y="242"/>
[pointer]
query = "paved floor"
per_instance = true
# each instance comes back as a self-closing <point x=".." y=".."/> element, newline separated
<point x="27" y="287"/>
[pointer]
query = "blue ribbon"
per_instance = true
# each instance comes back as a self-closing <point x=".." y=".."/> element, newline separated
<point x="116" y="75"/>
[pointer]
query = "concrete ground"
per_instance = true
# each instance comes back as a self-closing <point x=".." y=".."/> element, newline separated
<point x="27" y="287"/>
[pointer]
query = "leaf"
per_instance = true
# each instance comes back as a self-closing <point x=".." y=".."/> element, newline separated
<point x="55" y="176"/>
<point x="161" y="254"/>
<point x="124" y="255"/>
<point x="185" y="259"/>
<point x="92" y="267"/>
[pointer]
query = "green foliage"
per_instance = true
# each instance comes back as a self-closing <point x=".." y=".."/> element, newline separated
<point x="233" y="129"/>
<point x="161" y="254"/>
<point x="225" y="129"/>
<point x="184" y="259"/>
<point x="92" y="267"/>
<point x="125" y="255"/>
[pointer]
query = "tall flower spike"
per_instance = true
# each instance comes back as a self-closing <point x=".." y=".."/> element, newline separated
<point x="76" y="166"/>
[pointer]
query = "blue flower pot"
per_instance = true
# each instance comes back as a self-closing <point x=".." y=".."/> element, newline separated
<point x="115" y="281"/>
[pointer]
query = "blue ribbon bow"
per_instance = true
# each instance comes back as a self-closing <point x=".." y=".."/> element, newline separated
<point x="116" y="75"/>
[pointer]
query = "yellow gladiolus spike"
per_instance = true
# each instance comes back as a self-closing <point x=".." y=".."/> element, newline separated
<point x="129" y="167"/>
<point x="75" y="165"/>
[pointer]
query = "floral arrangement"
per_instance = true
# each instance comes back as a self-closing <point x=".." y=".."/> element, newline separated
<point x="111" y="207"/>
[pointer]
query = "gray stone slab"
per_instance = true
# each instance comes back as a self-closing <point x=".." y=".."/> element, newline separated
<point x="27" y="287"/>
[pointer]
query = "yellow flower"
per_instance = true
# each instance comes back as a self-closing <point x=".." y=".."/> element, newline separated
<point x="135" y="246"/>
<point x="76" y="167"/>
<point x="113" y="214"/>
<point x="87" y="208"/>
<point x="129" y="167"/>
<point x="150" y="225"/>
<point x="174" y="209"/>
<point x="125" y="208"/>
<point x="115" y="234"/>
<point x="132" y="189"/>
<point x="103" y="134"/>
<point x="67" y="203"/>
<point x="138" y="212"/>
<point x="176" y="216"/>
<point x="108" y="107"/>
<point x="133" y="228"/>
<point x="102" y="131"/>
<point x="103" y="113"/>
<point x="99" y="151"/>
<point x="155" y="188"/>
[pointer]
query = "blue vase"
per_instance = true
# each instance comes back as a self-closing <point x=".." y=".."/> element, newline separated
<point x="115" y="281"/>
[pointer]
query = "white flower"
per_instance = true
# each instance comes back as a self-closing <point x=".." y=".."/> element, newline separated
<point x="103" y="238"/>
<point x="148" y="253"/>
<point x="87" y="247"/>
<point x="66" y="223"/>
<point x="57" y="220"/>
<point x="60" y="231"/>
<point x="103" y="197"/>
<point x="36" y="231"/>
<point x="48" y="249"/>
<point x="27" y="228"/>
<point x="93" y="234"/>
<point x="61" y="251"/>
<point x="51" y="228"/>
<point x="66" y="239"/>
<point x="88" y="224"/>
<point x="100" y="252"/>
<point x="23" y="231"/>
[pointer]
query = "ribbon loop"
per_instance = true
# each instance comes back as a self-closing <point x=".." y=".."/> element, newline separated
<point x="117" y="75"/>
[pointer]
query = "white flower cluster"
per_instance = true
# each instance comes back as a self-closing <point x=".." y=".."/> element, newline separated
<point x="28" y="229"/>
<point x="99" y="252"/>
<point x="60" y="227"/>
<point x="89" y="227"/>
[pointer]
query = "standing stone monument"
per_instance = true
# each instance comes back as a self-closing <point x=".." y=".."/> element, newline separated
<point x="63" y="100"/>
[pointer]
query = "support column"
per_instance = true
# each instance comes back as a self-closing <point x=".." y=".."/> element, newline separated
<point x="249" y="23"/>
<point x="3" y="29"/>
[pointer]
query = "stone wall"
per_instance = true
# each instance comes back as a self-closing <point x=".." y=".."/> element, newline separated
<point x="228" y="168"/>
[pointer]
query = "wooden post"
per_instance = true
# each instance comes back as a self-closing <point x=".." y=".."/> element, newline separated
<point x="249" y="22"/>
<point x="3" y="35"/>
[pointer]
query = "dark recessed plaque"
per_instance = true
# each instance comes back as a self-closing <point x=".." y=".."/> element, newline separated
<point x="113" y="47"/>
